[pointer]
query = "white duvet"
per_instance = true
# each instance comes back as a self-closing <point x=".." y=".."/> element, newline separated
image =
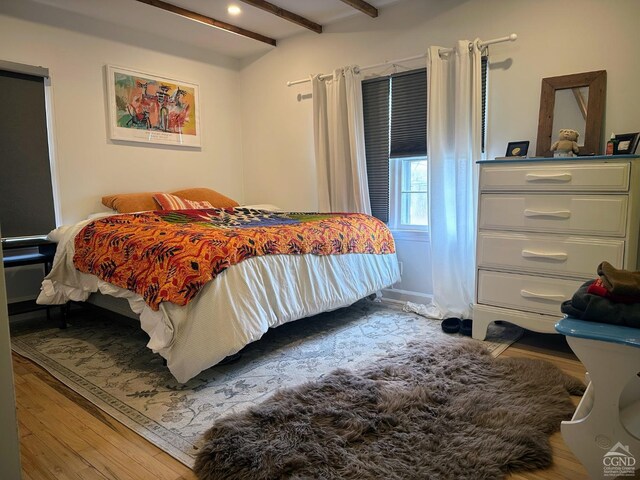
<point x="234" y="309"/>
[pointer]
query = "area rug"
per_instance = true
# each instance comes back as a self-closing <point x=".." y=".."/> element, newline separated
<point x="107" y="362"/>
<point x="427" y="411"/>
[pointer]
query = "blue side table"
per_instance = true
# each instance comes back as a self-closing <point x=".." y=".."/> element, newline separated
<point x="604" y="432"/>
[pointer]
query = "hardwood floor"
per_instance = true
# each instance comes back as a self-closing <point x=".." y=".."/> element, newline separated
<point x="554" y="349"/>
<point x="64" y="436"/>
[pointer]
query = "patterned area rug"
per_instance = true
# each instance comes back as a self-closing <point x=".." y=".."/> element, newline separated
<point x="107" y="362"/>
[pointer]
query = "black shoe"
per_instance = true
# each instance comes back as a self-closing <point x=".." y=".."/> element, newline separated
<point x="451" y="325"/>
<point x="466" y="327"/>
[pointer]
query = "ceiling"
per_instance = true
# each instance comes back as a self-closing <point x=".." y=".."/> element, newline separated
<point x="141" y="16"/>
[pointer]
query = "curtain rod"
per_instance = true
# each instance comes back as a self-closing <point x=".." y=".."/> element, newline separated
<point x="442" y="51"/>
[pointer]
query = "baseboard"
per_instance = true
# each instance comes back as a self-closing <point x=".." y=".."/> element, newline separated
<point x="395" y="295"/>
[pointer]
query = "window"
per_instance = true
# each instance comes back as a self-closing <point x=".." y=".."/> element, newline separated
<point x="26" y="190"/>
<point x="409" y="196"/>
<point x="395" y="125"/>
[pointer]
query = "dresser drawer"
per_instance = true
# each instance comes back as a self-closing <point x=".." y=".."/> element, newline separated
<point x="558" y="177"/>
<point x="576" y="256"/>
<point x="525" y="292"/>
<point x="573" y="214"/>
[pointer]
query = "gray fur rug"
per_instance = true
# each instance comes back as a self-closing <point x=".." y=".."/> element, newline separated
<point x="428" y="411"/>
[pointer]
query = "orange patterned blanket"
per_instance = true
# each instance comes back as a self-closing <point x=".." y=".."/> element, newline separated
<point x="167" y="256"/>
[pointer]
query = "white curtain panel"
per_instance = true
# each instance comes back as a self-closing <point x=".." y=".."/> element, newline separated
<point x="454" y="129"/>
<point x="338" y="128"/>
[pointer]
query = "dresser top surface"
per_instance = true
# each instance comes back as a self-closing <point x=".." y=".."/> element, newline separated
<point x="559" y="159"/>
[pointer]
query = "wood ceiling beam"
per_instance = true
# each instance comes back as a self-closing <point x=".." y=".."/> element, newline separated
<point x="212" y="22"/>
<point x="363" y="7"/>
<point x="286" y="14"/>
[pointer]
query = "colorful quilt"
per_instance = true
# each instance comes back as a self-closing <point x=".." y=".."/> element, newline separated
<point x="168" y="256"/>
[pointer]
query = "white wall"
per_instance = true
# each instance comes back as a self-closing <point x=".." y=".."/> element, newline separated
<point x="554" y="39"/>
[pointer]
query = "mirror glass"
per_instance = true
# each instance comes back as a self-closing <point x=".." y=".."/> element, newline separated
<point x="570" y="110"/>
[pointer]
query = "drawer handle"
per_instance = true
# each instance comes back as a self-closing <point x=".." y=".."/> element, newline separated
<point x="551" y="213"/>
<point x="541" y="296"/>
<point x="560" y="256"/>
<point x="548" y="177"/>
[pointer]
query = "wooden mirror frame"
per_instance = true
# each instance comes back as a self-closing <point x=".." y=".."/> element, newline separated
<point x="597" y="83"/>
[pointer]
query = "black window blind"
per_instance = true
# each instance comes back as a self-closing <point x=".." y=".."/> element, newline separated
<point x="26" y="193"/>
<point x="409" y="114"/>
<point x="375" y="105"/>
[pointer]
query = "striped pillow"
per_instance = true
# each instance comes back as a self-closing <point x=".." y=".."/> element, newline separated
<point x="171" y="202"/>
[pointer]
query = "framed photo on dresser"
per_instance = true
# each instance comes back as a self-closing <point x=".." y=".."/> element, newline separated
<point x="517" y="149"/>
<point x="627" y="143"/>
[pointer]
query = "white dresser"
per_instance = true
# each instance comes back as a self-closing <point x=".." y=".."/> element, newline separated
<point x="544" y="226"/>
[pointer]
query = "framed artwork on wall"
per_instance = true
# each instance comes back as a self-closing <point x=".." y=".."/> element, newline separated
<point x="152" y="109"/>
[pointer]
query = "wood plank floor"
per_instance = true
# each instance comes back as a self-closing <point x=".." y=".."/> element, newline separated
<point x="63" y="436"/>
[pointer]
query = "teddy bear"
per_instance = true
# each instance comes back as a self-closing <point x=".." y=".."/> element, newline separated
<point x="566" y="145"/>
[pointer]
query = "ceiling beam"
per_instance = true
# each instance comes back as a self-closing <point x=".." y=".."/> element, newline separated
<point x="363" y="7"/>
<point x="286" y="14"/>
<point x="212" y="22"/>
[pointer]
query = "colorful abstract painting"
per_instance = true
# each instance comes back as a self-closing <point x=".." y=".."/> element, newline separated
<point x="152" y="109"/>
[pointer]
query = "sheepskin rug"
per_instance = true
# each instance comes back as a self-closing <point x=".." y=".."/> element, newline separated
<point x="431" y="411"/>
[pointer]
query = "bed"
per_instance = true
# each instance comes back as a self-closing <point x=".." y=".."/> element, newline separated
<point x="275" y="283"/>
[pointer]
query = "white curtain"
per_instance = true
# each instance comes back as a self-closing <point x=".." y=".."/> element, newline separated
<point x="454" y="130"/>
<point x="338" y="128"/>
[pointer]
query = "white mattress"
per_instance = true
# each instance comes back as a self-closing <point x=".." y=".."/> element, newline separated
<point x="234" y="309"/>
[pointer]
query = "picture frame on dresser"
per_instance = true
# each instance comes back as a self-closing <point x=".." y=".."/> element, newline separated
<point x="627" y="143"/>
<point x="517" y="149"/>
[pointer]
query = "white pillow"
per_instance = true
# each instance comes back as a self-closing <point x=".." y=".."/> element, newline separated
<point x="93" y="216"/>
<point x="263" y="206"/>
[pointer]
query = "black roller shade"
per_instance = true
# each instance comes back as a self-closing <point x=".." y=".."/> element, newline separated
<point x="409" y="114"/>
<point x="375" y="102"/>
<point x="26" y="193"/>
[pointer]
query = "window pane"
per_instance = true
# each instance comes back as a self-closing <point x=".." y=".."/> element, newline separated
<point x="414" y="193"/>
<point x="418" y="176"/>
<point x="415" y="208"/>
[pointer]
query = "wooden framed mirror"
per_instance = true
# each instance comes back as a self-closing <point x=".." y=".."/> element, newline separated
<point x="586" y="92"/>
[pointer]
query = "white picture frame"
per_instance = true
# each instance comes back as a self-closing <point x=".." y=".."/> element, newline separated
<point x="149" y="108"/>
